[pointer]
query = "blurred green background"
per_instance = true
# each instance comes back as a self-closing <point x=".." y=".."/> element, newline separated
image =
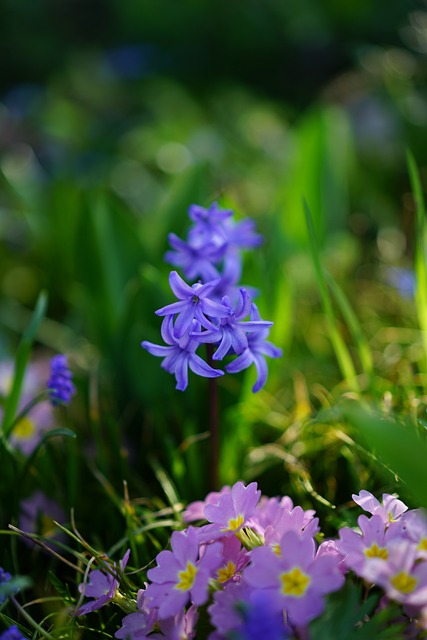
<point x="115" y="116"/>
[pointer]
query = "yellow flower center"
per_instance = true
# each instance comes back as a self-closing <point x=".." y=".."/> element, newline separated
<point x="226" y="573"/>
<point x="294" y="582"/>
<point x="235" y="523"/>
<point x="24" y="429"/>
<point x="277" y="550"/>
<point x="423" y="545"/>
<point x="186" y="577"/>
<point x="376" y="552"/>
<point x="404" y="582"/>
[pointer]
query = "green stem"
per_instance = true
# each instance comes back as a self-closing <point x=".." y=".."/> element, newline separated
<point x="213" y="426"/>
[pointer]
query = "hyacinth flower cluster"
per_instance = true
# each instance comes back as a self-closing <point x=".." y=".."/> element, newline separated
<point x="215" y="309"/>
<point x="251" y="566"/>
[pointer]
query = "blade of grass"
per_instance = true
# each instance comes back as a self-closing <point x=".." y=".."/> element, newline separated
<point x="420" y="250"/>
<point x="21" y="361"/>
<point x="353" y="324"/>
<point x="342" y="354"/>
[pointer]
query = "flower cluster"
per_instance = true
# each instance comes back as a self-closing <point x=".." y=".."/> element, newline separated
<point x="60" y="386"/>
<point x="215" y="308"/>
<point x="390" y="550"/>
<point x="252" y="565"/>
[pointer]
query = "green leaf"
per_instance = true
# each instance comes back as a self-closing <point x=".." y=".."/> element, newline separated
<point x="401" y="447"/>
<point x="21" y="361"/>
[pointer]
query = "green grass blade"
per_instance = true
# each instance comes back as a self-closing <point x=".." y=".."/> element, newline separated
<point x="353" y="324"/>
<point x="21" y="361"/>
<point x="420" y="250"/>
<point x="342" y="354"/>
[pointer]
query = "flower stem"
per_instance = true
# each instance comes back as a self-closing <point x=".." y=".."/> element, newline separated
<point x="213" y="426"/>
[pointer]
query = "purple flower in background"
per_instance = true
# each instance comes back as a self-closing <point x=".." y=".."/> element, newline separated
<point x="60" y="386"/>
<point x="38" y="515"/>
<point x="101" y="587"/>
<point x="193" y="304"/>
<point x="194" y="260"/>
<point x="12" y="633"/>
<point x="180" y="355"/>
<point x="30" y="427"/>
<point x="255" y="353"/>
<point x="180" y="575"/>
<point x="4" y="578"/>
<point x="242" y="613"/>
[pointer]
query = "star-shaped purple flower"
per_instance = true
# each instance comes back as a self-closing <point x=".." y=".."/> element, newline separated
<point x="193" y="304"/>
<point x="232" y="330"/>
<point x="180" y="355"/>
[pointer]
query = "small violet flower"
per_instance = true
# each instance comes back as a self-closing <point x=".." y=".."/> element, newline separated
<point x="60" y="386"/>
<point x="101" y="587"/>
<point x="12" y="633"/>
<point x="4" y="579"/>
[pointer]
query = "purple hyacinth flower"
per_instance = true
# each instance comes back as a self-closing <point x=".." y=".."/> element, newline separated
<point x="209" y="225"/>
<point x="180" y="355"/>
<point x="101" y="587"/>
<point x="4" y="578"/>
<point x="12" y="633"/>
<point x="255" y="353"/>
<point x="296" y="580"/>
<point x="181" y="575"/>
<point x="232" y="330"/>
<point x="60" y="386"/>
<point x="193" y="304"/>
<point x="242" y="234"/>
<point x="195" y="260"/>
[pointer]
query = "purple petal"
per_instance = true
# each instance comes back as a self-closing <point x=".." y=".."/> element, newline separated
<point x="215" y="309"/>
<point x="181" y="373"/>
<point x="181" y="289"/>
<point x="185" y="318"/>
<point x="171" y="309"/>
<point x="201" y="368"/>
<point x="157" y="349"/>
<point x="241" y="362"/>
<point x="262" y="371"/>
<point x="224" y="346"/>
<point x="243" y="306"/>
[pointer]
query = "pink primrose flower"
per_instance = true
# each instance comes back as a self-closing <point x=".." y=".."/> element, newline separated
<point x="402" y="577"/>
<point x="390" y="509"/>
<point x="296" y="580"/>
<point x="371" y="544"/>
<point x="196" y="510"/>
<point x="231" y="512"/>
<point x="181" y="575"/>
